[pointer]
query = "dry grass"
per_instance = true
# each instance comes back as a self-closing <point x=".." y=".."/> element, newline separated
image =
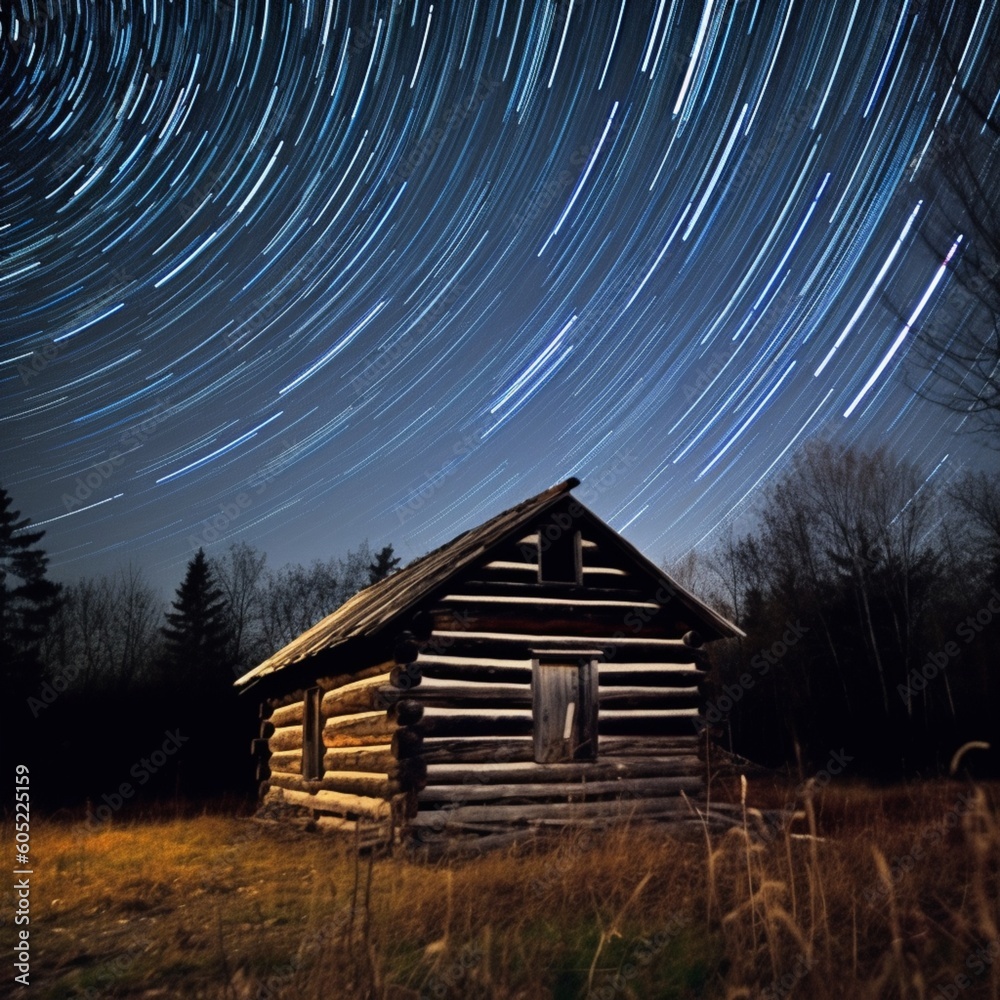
<point x="216" y="907"/>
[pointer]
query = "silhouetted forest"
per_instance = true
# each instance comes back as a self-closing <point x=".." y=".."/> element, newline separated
<point x="870" y="596"/>
<point x="116" y="700"/>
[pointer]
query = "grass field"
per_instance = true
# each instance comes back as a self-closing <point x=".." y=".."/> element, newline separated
<point x="896" y="896"/>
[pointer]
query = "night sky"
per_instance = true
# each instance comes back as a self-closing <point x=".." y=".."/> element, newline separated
<point x="304" y="273"/>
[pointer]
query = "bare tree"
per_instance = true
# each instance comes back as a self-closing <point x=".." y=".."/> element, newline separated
<point x="240" y="575"/>
<point x="296" y="597"/>
<point x="957" y="170"/>
<point x="106" y="631"/>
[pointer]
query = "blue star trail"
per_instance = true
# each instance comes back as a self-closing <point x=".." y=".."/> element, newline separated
<point x="380" y="269"/>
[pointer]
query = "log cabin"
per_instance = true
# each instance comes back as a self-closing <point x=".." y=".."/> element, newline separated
<point x="535" y="671"/>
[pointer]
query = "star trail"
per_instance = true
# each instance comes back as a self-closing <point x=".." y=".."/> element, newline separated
<point x="306" y="273"/>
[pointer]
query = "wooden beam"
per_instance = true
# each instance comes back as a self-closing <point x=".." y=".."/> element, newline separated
<point x="455" y="668"/>
<point x="474" y="750"/>
<point x="553" y="812"/>
<point x="595" y="770"/>
<point x="339" y="803"/>
<point x="331" y="683"/>
<point x="362" y="832"/>
<point x="365" y="783"/>
<point x="681" y="675"/>
<point x="637" y="621"/>
<point x="580" y="790"/>
<point x="517" y="588"/>
<point x="517" y="645"/>
<point x="286" y="738"/>
<point x="368" y="694"/>
<point x="647" y="698"/>
<point x="484" y="722"/>
<point x="362" y="729"/>
<point x="470" y="694"/>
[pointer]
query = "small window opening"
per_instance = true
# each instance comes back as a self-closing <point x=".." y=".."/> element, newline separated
<point x="559" y="555"/>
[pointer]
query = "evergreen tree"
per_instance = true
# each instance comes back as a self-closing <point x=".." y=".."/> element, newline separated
<point x="385" y="564"/>
<point x="198" y="633"/>
<point x="27" y="601"/>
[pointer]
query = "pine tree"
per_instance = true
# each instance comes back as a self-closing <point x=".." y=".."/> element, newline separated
<point x="27" y="601"/>
<point x="385" y="564"/>
<point x="198" y="634"/>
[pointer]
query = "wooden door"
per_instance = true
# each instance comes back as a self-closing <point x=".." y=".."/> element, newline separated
<point x="564" y="709"/>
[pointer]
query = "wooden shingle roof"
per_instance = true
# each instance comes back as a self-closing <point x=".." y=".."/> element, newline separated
<point x="371" y="609"/>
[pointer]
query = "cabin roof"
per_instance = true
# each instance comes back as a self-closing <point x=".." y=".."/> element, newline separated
<point x="371" y="609"/>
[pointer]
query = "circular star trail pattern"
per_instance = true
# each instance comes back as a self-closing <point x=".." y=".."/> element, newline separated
<point x="304" y="273"/>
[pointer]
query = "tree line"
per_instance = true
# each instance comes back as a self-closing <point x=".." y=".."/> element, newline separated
<point x="96" y="669"/>
<point x="870" y="598"/>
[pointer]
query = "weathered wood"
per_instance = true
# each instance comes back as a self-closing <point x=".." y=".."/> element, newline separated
<point x="591" y="770"/>
<point x="362" y="832"/>
<point x="286" y="760"/>
<point x="477" y="750"/>
<point x="648" y="698"/>
<point x="552" y="812"/>
<point x="470" y="694"/>
<point x="517" y="645"/>
<point x="548" y="620"/>
<point x="332" y="682"/>
<point x="409" y="773"/>
<point x="367" y="783"/>
<point x="406" y="743"/>
<point x="649" y="745"/>
<point x="485" y="722"/>
<point x="339" y="803"/>
<point x="667" y="722"/>
<point x="681" y="675"/>
<point x="457" y="668"/>
<point x="286" y="738"/>
<point x="368" y="694"/>
<point x="496" y="587"/>
<point x="405" y="676"/>
<point x="564" y="710"/>
<point x="406" y="713"/>
<point x="574" y="600"/>
<point x="642" y="788"/>
<point x="362" y="729"/>
<point x="288" y="715"/>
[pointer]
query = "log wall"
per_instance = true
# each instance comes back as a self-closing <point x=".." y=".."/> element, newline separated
<point x="473" y="676"/>
<point x="439" y="740"/>
<point x="364" y="788"/>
